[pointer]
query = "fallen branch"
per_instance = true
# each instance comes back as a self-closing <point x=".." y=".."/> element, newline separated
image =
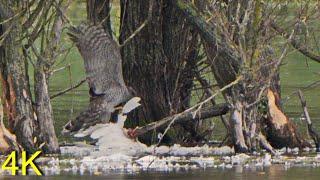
<point x="314" y="135"/>
<point x="68" y="89"/>
<point x="207" y="112"/>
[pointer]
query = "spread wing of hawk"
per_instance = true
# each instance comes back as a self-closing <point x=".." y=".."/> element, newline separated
<point x="103" y="67"/>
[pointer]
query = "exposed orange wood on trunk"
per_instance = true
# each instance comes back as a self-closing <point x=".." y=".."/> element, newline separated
<point x="12" y="101"/>
<point x="4" y="146"/>
<point x="4" y="93"/>
<point x="9" y="98"/>
<point x="281" y="131"/>
<point x="8" y="140"/>
<point x="276" y="116"/>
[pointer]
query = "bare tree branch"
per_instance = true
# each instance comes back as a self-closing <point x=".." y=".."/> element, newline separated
<point x="297" y="45"/>
<point x="68" y="89"/>
<point x="314" y="135"/>
<point x="141" y="26"/>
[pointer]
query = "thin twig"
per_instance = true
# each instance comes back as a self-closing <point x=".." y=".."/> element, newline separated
<point x="198" y="106"/>
<point x="68" y="89"/>
<point x="297" y="45"/>
<point x="312" y="85"/>
<point x="141" y="26"/>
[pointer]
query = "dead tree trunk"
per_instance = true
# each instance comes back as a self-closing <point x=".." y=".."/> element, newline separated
<point x="157" y="62"/>
<point x="15" y="87"/>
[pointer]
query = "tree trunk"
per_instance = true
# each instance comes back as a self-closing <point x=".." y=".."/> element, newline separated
<point x="44" y="112"/>
<point x="155" y="61"/>
<point x="280" y="131"/>
<point x="98" y="12"/>
<point x="15" y="87"/>
<point x="49" y="53"/>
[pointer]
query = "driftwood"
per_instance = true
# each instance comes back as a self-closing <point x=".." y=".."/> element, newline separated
<point x="314" y="135"/>
<point x="237" y="125"/>
<point x="206" y="112"/>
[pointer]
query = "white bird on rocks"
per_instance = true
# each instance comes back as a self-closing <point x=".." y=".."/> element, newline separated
<point x="111" y="138"/>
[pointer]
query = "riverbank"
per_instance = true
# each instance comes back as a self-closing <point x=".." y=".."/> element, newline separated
<point x="180" y="162"/>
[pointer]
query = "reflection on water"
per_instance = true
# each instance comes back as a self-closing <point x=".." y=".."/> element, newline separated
<point x="238" y="172"/>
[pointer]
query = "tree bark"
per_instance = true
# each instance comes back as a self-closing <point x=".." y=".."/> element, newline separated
<point x="155" y="61"/>
<point x="280" y="131"/>
<point x="44" y="112"/>
<point x="15" y="87"/>
<point x="226" y="65"/>
<point x="98" y="12"/>
<point x="43" y="108"/>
